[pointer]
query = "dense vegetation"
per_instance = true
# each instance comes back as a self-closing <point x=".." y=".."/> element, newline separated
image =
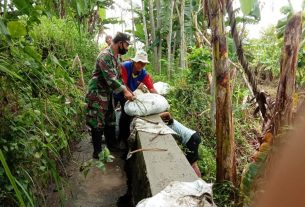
<point x="41" y="106"/>
<point x="43" y="46"/>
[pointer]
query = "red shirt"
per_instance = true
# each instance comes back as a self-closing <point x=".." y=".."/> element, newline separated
<point x="133" y="81"/>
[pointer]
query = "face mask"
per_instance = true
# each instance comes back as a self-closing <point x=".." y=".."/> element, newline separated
<point x="122" y="51"/>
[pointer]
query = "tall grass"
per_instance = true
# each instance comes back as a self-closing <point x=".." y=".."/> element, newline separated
<point x="41" y="108"/>
<point x="12" y="180"/>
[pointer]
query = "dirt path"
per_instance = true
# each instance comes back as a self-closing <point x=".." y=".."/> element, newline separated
<point x="98" y="189"/>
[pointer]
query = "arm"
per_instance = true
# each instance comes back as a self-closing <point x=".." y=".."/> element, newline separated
<point x="108" y="73"/>
<point x="124" y="75"/>
<point x="149" y="84"/>
<point x="128" y="94"/>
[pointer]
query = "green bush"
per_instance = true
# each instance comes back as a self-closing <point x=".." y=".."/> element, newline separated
<point x="207" y="163"/>
<point x="41" y="110"/>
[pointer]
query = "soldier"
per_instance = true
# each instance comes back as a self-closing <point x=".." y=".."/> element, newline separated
<point x="106" y="80"/>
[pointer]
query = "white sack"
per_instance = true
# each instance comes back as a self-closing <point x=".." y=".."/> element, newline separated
<point x="162" y="88"/>
<point x="182" y="194"/>
<point x="146" y="104"/>
<point x="141" y="124"/>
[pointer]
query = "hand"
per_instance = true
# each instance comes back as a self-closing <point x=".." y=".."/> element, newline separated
<point x="165" y="116"/>
<point x="128" y="95"/>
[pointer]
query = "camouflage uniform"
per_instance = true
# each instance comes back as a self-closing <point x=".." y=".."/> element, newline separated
<point x="105" y="80"/>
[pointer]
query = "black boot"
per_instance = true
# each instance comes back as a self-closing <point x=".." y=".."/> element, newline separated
<point x="124" y="126"/>
<point x="96" y="141"/>
<point x="110" y="138"/>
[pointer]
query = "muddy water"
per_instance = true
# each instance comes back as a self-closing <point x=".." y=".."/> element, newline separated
<point x="98" y="189"/>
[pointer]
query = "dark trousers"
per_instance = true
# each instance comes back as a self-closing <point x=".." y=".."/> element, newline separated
<point x="192" y="148"/>
<point x="108" y="130"/>
<point x="124" y="124"/>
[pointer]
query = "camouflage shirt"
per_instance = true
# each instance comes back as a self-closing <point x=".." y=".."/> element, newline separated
<point x="106" y="76"/>
<point x="105" y="80"/>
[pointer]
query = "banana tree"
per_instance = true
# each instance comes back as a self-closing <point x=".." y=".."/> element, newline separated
<point x="153" y="36"/>
<point x="169" y="39"/>
<point x="182" y="33"/>
<point x="225" y="157"/>
<point x="144" y="24"/>
<point x="159" y="22"/>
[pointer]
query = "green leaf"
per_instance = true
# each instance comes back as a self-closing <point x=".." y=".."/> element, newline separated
<point x="43" y="168"/>
<point x="38" y="155"/>
<point x="4" y="69"/>
<point x="256" y="13"/>
<point x="5" y="148"/>
<point x="3" y="28"/>
<point x="100" y="165"/>
<point x="23" y="6"/>
<point x="11" y="178"/>
<point x="32" y="52"/>
<point x="102" y="13"/>
<point x="80" y="7"/>
<point x="55" y="60"/>
<point x="246" y="6"/>
<point x="139" y="33"/>
<point x="16" y="29"/>
<point x="26" y="193"/>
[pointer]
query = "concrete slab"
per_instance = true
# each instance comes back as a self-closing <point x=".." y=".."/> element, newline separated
<point x="154" y="170"/>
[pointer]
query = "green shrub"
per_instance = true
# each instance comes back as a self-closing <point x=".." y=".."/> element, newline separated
<point x="207" y="163"/>
<point x="41" y="109"/>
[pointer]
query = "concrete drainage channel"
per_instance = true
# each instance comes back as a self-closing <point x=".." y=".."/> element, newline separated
<point x="149" y="172"/>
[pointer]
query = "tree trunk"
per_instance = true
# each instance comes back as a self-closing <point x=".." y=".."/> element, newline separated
<point x="93" y="18"/>
<point x="144" y="25"/>
<point x="159" y="34"/>
<point x="122" y="21"/>
<point x="182" y="35"/>
<point x="153" y="35"/>
<point x="62" y="9"/>
<point x="169" y="40"/>
<point x="132" y="22"/>
<point x="198" y="39"/>
<point x="174" y="47"/>
<point x="259" y="96"/>
<point x="282" y="114"/>
<point x="225" y="159"/>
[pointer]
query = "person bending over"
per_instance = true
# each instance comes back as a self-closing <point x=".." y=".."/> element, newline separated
<point x="188" y="138"/>
<point x="133" y="74"/>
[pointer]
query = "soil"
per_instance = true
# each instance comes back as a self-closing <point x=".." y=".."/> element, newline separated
<point x="98" y="188"/>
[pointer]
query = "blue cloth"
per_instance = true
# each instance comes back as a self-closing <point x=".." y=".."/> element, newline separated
<point x="184" y="132"/>
<point x="133" y="81"/>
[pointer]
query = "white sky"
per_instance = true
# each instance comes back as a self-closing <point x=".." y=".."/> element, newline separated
<point x="270" y="14"/>
<point x="120" y="11"/>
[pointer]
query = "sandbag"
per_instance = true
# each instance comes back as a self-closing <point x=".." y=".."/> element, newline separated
<point x="162" y="88"/>
<point x="182" y="194"/>
<point x="146" y="104"/>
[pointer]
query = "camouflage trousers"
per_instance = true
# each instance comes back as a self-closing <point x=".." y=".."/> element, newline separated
<point x="99" y="110"/>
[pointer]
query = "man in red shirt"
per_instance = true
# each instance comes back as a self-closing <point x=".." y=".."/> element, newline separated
<point x="133" y="74"/>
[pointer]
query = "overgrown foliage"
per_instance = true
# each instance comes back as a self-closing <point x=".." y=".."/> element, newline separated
<point x="190" y="104"/>
<point x="41" y="107"/>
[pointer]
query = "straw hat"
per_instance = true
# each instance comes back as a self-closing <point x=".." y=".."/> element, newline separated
<point x="141" y="56"/>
